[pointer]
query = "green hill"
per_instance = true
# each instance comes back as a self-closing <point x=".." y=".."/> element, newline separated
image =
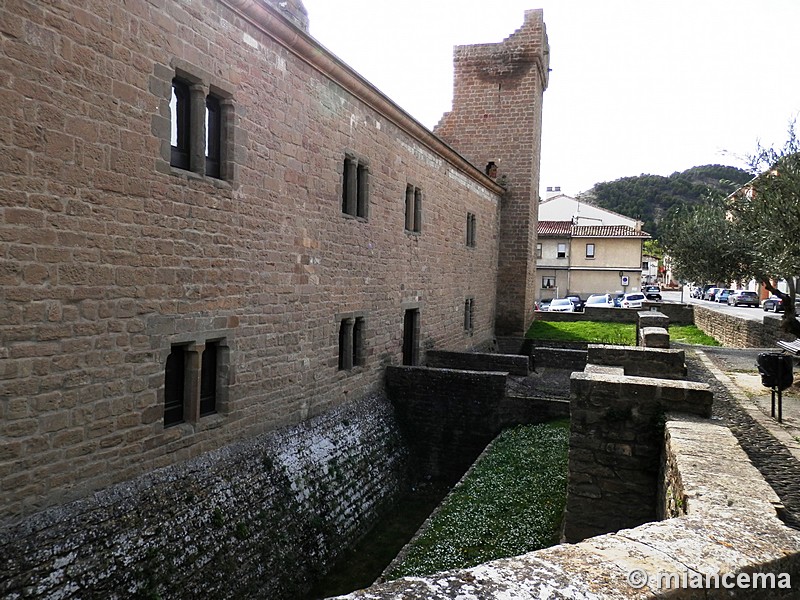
<point x="650" y="197"/>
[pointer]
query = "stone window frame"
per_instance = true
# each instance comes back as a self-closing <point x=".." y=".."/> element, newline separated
<point x="412" y="308"/>
<point x="469" y="315"/>
<point x="472" y="230"/>
<point x="352" y="340"/>
<point x="355" y="186"/>
<point x="590" y="255"/>
<point x="413" y="209"/>
<point x="206" y="93"/>
<point x="194" y="387"/>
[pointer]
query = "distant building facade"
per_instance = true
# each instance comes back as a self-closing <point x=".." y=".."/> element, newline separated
<point x="588" y="259"/>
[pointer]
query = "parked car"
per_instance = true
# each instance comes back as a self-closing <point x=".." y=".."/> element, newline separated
<point x="617" y="298"/>
<point x="745" y="297"/>
<point x="561" y="305"/>
<point x="775" y="304"/>
<point x="722" y="296"/>
<point x="600" y="300"/>
<point x="632" y="300"/>
<point x="711" y="293"/>
<point x="652" y="292"/>
<point x="576" y="300"/>
<point x="542" y="305"/>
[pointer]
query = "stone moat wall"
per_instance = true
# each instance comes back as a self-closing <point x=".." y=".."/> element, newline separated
<point x="736" y="332"/>
<point x="258" y="519"/>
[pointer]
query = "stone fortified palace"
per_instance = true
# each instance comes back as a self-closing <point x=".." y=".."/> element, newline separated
<point x="245" y="299"/>
<point x="215" y="237"/>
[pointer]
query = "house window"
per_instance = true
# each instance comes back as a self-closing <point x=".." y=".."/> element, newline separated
<point x="548" y="282"/>
<point x="472" y="233"/>
<point x="562" y="251"/>
<point x="413" y="209"/>
<point x="198" y="137"/>
<point x="589" y="250"/>
<point x="645" y="266"/>
<point x="351" y="343"/>
<point x="469" y="315"/>
<point x="355" y="188"/>
<point x="538" y="251"/>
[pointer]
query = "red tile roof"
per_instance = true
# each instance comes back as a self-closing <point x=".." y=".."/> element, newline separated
<point x="567" y="229"/>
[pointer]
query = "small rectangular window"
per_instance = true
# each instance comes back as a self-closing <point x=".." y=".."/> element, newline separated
<point x="562" y="251"/>
<point x="355" y="188"/>
<point x="538" y="251"/>
<point x="208" y="379"/>
<point x="213" y="136"/>
<point x="413" y="206"/>
<point x="351" y="343"/>
<point x="471" y="230"/>
<point x="175" y="386"/>
<point x="469" y="315"/>
<point x="645" y="266"/>
<point x="589" y="250"/>
<point x="548" y="282"/>
<point x="180" y="115"/>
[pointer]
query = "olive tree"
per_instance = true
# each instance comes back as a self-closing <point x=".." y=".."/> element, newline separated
<point x="753" y="233"/>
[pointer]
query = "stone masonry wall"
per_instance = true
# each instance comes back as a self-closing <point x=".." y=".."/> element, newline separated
<point x="449" y="416"/>
<point x="497" y="117"/>
<point x="514" y="364"/>
<point x="616" y="435"/>
<point x="110" y="255"/>
<point x="736" y="332"/>
<point x="259" y="519"/>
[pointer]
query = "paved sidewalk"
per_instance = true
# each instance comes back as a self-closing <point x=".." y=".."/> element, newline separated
<point x="744" y="406"/>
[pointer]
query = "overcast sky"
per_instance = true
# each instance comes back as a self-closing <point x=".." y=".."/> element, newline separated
<point x="637" y="86"/>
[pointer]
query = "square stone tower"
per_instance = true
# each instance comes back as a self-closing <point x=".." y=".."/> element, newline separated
<point x="496" y="123"/>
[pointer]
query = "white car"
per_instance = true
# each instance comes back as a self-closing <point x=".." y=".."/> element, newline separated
<point x="632" y="300"/>
<point x="600" y="300"/>
<point x="561" y="305"/>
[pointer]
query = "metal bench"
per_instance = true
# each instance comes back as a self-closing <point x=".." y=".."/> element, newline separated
<point x="790" y="347"/>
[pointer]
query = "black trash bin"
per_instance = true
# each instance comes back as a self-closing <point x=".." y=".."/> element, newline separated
<point x="775" y="369"/>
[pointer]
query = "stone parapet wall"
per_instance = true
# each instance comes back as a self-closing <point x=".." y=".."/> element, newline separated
<point x="730" y="330"/>
<point x="678" y="314"/>
<point x="514" y="364"/>
<point x="730" y="527"/>
<point x="561" y="358"/>
<point x="449" y="416"/>
<point x="615" y="447"/>
<point x="258" y="519"/>
<point x="639" y="361"/>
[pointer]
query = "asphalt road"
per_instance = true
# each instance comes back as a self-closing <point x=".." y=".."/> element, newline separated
<point x="745" y="312"/>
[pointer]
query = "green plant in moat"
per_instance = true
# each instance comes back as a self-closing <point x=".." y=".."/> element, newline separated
<point x="512" y="502"/>
<point x="690" y="334"/>
<point x="593" y="332"/>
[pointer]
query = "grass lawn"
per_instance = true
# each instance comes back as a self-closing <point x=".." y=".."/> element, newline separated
<point x="620" y="334"/>
<point x="512" y="502"/>
<point x="594" y="332"/>
<point x="689" y="334"/>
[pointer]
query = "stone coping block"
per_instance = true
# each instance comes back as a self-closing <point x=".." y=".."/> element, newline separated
<point x="652" y="318"/>
<point x="654" y="337"/>
<point x="640" y="361"/>
<point x="723" y="534"/>
<point x="604" y="370"/>
<point x="515" y="364"/>
<point x="560" y="358"/>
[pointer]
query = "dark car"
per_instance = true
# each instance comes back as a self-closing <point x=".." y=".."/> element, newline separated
<point x="652" y="292"/>
<point x="775" y="304"/>
<point x="744" y="297"/>
<point x="711" y="293"/>
<point x="577" y="301"/>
